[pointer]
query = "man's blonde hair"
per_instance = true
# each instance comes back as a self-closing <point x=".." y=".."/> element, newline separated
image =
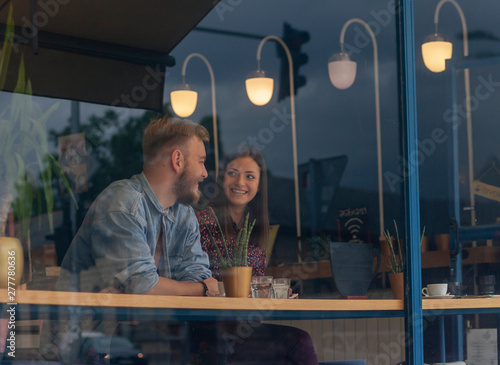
<point x="172" y="133"/>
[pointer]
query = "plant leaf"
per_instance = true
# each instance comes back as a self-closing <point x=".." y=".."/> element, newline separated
<point x="247" y="240"/>
<point x="393" y="265"/>
<point x="44" y="117"/>
<point x="47" y="191"/>
<point x="400" y="246"/>
<point x="7" y="48"/>
<point x="23" y="203"/>
<point x="222" y="234"/>
<point x="422" y="236"/>
<point x="59" y="172"/>
<point x="222" y="260"/>
<point x="237" y="249"/>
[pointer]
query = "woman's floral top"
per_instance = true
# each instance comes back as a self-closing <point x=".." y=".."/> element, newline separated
<point x="256" y="256"/>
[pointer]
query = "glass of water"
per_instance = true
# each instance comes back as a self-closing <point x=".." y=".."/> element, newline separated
<point x="281" y="287"/>
<point x="261" y="286"/>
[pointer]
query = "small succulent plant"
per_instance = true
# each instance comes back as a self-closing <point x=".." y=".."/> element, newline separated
<point x="396" y="265"/>
<point x="241" y="244"/>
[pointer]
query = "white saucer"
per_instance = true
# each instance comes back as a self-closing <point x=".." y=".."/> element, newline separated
<point x="447" y="296"/>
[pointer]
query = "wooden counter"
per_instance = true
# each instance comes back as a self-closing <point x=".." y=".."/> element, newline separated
<point x="38" y="297"/>
<point x="128" y="306"/>
<point x="233" y="307"/>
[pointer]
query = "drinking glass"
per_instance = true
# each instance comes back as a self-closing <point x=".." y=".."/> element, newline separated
<point x="261" y="286"/>
<point x="281" y="287"/>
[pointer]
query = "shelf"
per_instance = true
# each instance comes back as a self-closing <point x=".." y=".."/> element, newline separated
<point x="430" y="259"/>
<point x="460" y="306"/>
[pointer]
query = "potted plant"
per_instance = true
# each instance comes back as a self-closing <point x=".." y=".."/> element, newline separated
<point x="396" y="262"/>
<point x="25" y="158"/>
<point x="235" y="272"/>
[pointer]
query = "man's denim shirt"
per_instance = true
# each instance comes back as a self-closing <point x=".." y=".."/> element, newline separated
<point x="116" y="243"/>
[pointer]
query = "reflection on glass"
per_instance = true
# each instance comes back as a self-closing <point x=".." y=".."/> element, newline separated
<point x="183" y="102"/>
<point x="435" y="52"/>
<point x="259" y="88"/>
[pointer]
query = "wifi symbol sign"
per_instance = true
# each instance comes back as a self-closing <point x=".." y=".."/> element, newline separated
<point x="353" y="226"/>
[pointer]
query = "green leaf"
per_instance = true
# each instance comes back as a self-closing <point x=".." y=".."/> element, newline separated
<point x="222" y="234"/>
<point x="45" y="116"/>
<point x="243" y="242"/>
<point x="394" y="264"/>
<point x="222" y="260"/>
<point x="245" y="253"/>
<point x="48" y="194"/>
<point x="4" y="134"/>
<point x="7" y="48"/>
<point x="29" y="144"/>
<point x="12" y="167"/>
<point x="238" y="247"/>
<point x="23" y="203"/>
<point x="39" y="210"/>
<point x="400" y="246"/>
<point x="422" y="236"/>
<point x="59" y="172"/>
<point x="21" y="81"/>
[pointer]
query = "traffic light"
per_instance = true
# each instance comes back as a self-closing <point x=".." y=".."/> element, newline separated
<point x="294" y="39"/>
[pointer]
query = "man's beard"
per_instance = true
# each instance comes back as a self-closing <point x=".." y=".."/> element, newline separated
<point x="184" y="190"/>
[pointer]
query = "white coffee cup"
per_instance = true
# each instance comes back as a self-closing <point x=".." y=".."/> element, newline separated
<point x="433" y="290"/>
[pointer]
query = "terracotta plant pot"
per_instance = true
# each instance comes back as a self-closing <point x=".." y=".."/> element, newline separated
<point x="442" y="241"/>
<point x="397" y="285"/>
<point x="237" y="281"/>
<point x="11" y="262"/>
<point x="424" y="246"/>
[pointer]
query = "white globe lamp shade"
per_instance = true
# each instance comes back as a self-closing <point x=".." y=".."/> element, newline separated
<point x="436" y="49"/>
<point x="259" y="87"/>
<point x="342" y="71"/>
<point x="183" y="101"/>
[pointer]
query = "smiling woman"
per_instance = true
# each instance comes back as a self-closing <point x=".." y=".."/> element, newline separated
<point x="243" y="189"/>
<point x="243" y="194"/>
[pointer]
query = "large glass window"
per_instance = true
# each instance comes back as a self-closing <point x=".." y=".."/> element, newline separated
<point x="333" y="153"/>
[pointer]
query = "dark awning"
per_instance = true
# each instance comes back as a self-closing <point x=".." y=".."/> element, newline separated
<point x="110" y="52"/>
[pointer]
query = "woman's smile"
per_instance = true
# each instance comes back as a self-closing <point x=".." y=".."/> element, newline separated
<point x="236" y="191"/>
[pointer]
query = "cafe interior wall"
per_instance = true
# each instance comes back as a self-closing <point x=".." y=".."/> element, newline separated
<point x="333" y="122"/>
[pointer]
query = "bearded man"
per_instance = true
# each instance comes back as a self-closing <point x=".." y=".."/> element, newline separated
<point x="140" y="236"/>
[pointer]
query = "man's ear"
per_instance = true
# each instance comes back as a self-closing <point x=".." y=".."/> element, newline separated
<point x="177" y="160"/>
